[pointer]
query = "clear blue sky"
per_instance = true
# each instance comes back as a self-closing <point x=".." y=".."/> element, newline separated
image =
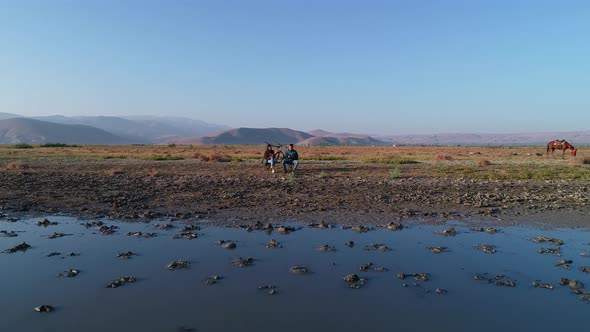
<point x="389" y="67"/>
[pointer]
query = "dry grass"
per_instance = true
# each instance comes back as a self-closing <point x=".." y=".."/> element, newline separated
<point x="576" y="160"/>
<point x="338" y="160"/>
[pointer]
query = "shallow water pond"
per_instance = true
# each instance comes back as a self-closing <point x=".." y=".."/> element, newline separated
<point x="180" y="300"/>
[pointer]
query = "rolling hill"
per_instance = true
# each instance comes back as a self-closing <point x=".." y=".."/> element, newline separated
<point x="9" y="116"/>
<point x="24" y="130"/>
<point x="248" y="136"/>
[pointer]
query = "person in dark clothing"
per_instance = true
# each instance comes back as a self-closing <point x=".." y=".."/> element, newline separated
<point x="291" y="158"/>
<point x="269" y="157"/>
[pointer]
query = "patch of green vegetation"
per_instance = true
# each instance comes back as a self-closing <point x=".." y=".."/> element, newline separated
<point x="389" y="160"/>
<point x="171" y="145"/>
<point x="517" y="172"/>
<point x="23" y="146"/>
<point x="322" y="175"/>
<point x="291" y="179"/>
<point x="163" y="157"/>
<point x="394" y="173"/>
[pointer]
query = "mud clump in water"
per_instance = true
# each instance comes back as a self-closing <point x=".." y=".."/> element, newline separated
<point x="437" y="250"/>
<point x="126" y="255"/>
<point x="243" y="262"/>
<point x="448" y="232"/>
<point x="177" y="264"/>
<point x="227" y="244"/>
<point x="542" y="239"/>
<point x="212" y="280"/>
<point x="44" y="308"/>
<point x="45" y="222"/>
<point x="273" y="244"/>
<point x="8" y="234"/>
<point x="20" y="247"/>
<point x="121" y="281"/>
<point x="144" y="235"/>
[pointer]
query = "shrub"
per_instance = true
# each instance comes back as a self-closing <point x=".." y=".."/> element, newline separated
<point x="484" y="162"/>
<point x="394" y="173"/>
<point x="579" y="160"/>
<point x="55" y="145"/>
<point x="23" y="146"/>
<point x="17" y="165"/>
<point x="114" y="171"/>
<point x="220" y="158"/>
<point x="442" y="156"/>
<point x="153" y="172"/>
<point x="171" y="145"/>
<point x="115" y="157"/>
<point x="163" y="157"/>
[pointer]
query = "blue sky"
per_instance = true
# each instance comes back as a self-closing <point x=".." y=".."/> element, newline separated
<point x="383" y="67"/>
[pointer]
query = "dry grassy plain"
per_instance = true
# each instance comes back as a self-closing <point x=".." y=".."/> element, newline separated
<point x="494" y="163"/>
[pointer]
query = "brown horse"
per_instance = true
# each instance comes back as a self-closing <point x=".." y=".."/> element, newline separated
<point x="560" y="145"/>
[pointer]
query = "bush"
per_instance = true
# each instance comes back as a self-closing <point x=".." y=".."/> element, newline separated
<point x="442" y="156"/>
<point x="55" y="145"/>
<point x="153" y="172"/>
<point x="394" y="173"/>
<point x="23" y="146"/>
<point x="484" y="162"/>
<point x="121" y="156"/>
<point x="114" y="171"/>
<point x="17" y="165"/>
<point x="163" y="157"/>
<point x="579" y="160"/>
<point x="220" y="158"/>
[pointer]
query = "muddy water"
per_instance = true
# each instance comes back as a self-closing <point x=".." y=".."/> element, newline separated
<point x="163" y="300"/>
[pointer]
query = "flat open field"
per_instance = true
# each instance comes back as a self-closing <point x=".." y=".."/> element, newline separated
<point x="371" y="185"/>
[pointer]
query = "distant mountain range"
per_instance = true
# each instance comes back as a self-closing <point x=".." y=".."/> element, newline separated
<point x="574" y="137"/>
<point x="110" y="130"/>
<point x="22" y="130"/>
<point x="120" y="130"/>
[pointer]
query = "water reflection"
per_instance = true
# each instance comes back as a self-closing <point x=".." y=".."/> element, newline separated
<point x="212" y="294"/>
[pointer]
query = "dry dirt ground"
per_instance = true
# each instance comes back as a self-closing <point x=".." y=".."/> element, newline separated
<point x="344" y="190"/>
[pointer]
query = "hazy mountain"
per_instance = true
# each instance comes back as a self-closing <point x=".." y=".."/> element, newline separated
<point x="323" y="137"/>
<point x="141" y="128"/>
<point x="24" y="130"/>
<point x="249" y="136"/>
<point x="182" y="126"/>
<point x="575" y="137"/>
<point x="342" y="140"/>
<point x="319" y="132"/>
<point x="9" y="115"/>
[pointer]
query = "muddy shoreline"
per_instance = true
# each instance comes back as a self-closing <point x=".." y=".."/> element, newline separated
<point x="245" y="192"/>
